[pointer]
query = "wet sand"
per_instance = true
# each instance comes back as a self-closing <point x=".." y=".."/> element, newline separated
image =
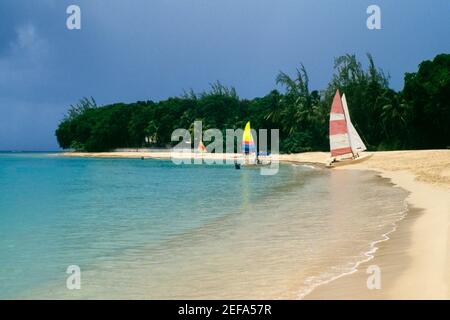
<point x="415" y="261"/>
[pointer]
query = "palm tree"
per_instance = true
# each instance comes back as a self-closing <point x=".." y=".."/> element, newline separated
<point x="297" y="86"/>
<point x="298" y="105"/>
<point x="394" y="115"/>
<point x="81" y="107"/>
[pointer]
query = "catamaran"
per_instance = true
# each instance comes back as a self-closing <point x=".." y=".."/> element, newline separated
<point x="248" y="146"/>
<point x="251" y="156"/>
<point x="201" y="147"/>
<point x="345" y="142"/>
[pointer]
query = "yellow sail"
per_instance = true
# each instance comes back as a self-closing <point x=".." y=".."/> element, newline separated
<point x="248" y="145"/>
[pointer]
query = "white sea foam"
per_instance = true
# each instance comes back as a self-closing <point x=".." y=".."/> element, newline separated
<point x="313" y="282"/>
<point x="309" y="166"/>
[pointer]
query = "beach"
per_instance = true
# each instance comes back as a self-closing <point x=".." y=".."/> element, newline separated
<point x="413" y="259"/>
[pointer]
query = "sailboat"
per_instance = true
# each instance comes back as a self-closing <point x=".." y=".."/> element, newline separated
<point x="248" y="146"/>
<point x="201" y="147"/>
<point x="345" y="142"/>
<point x="251" y="157"/>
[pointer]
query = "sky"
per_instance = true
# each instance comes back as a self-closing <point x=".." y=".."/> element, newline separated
<point x="136" y="50"/>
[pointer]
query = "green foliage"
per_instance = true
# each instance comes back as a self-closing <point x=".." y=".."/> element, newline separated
<point x="417" y="117"/>
<point x="427" y="93"/>
<point x="75" y="145"/>
<point x="82" y="106"/>
<point x="366" y="92"/>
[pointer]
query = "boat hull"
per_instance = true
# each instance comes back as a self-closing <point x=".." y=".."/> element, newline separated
<point x="346" y="162"/>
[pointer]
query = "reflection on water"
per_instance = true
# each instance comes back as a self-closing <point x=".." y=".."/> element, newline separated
<point x="245" y="188"/>
<point x="149" y="229"/>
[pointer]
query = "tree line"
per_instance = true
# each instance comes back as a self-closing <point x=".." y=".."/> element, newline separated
<point x="416" y="117"/>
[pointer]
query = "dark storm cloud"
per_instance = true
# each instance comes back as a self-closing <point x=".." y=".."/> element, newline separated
<point x="141" y="49"/>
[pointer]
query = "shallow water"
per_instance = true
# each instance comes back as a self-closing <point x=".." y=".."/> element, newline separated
<point x="152" y="229"/>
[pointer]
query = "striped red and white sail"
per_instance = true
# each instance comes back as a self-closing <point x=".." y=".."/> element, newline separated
<point x="339" y="135"/>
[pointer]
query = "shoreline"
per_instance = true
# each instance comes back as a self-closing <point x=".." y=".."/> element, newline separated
<point x="324" y="290"/>
<point x="414" y="260"/>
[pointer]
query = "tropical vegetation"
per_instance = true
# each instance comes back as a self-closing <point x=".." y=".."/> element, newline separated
<point x="414" y="118"/>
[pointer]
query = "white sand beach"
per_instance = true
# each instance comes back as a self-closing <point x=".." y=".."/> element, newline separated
<point x="415" y="260"/>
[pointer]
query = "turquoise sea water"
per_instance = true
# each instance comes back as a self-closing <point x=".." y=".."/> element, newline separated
<point x="153" y="229"/>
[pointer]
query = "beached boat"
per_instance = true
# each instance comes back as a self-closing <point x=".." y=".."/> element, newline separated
<point x="201" y="147"/>
<point x="248" y="147"/>
<point x="251" y="158"/>
<point x="345" y="143"/>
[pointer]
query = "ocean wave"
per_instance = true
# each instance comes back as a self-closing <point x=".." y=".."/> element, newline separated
<point x="309" y="166"/>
